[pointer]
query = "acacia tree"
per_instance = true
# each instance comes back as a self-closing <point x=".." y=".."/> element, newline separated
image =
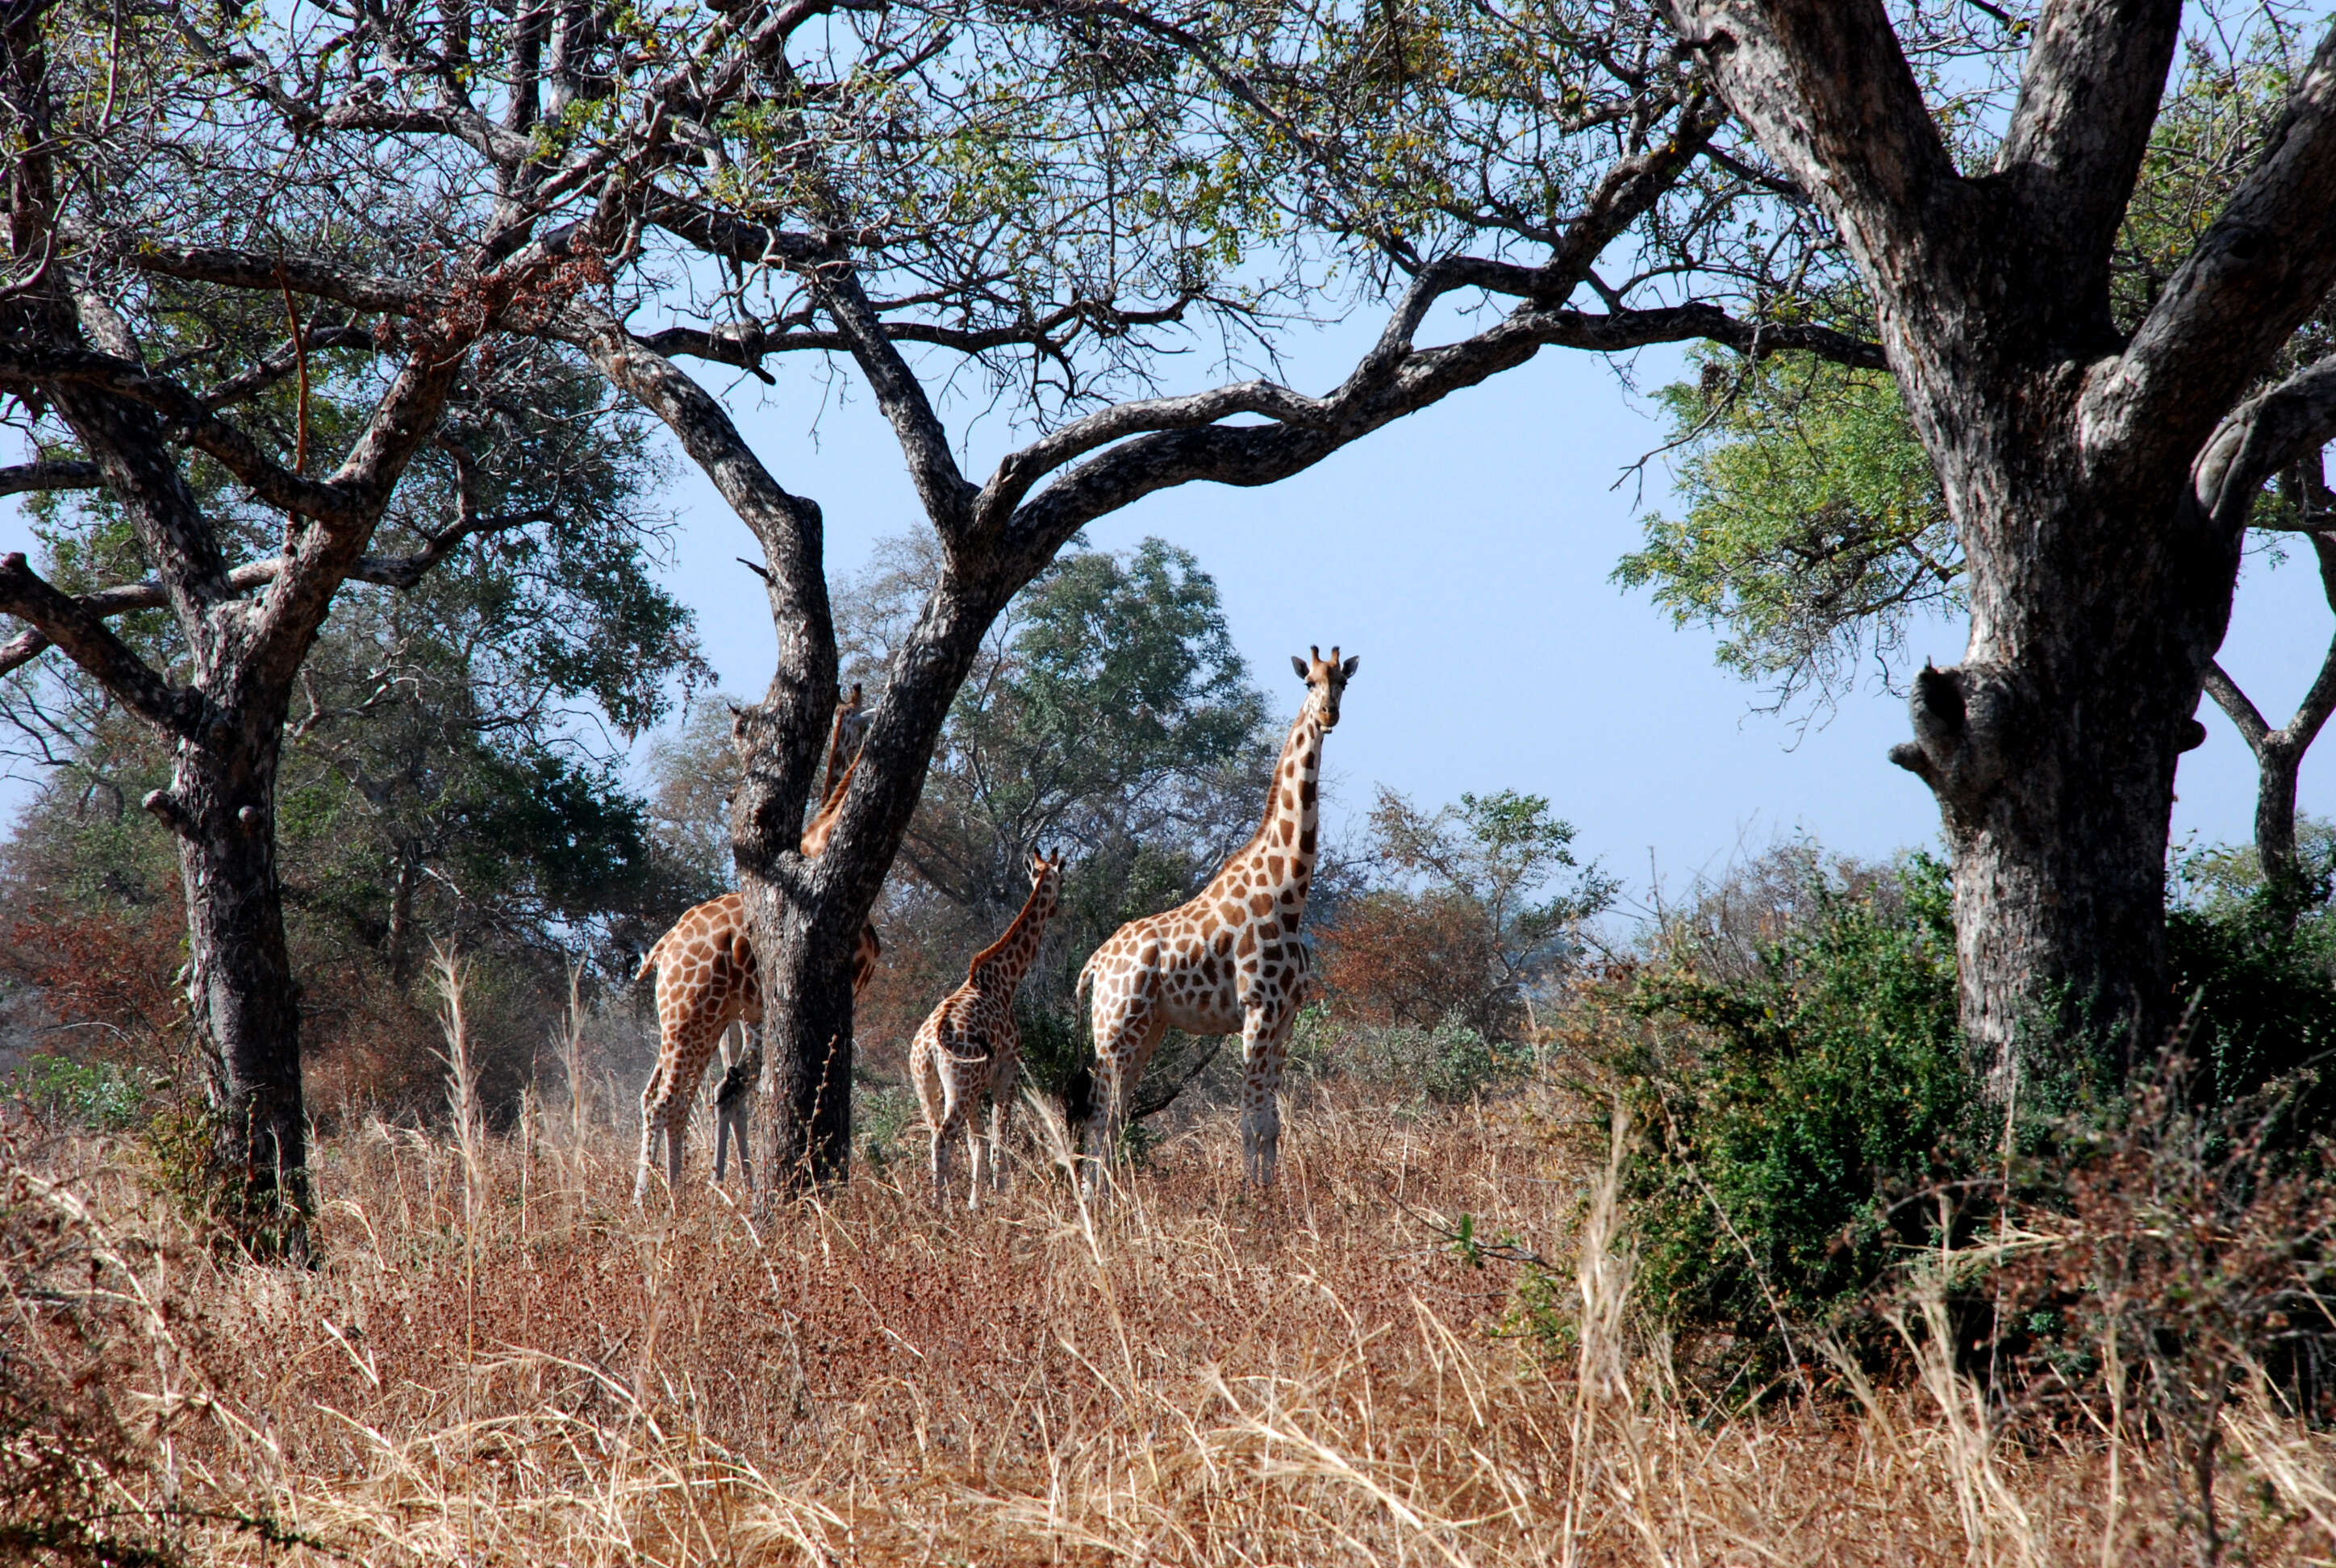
<point x="1814" y="522"/>
<point x="2099" y="478"/>
<point x="151" y="321"/>
<point x="1037" y="203"/>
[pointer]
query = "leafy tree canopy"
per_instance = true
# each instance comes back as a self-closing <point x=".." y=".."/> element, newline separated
<point x="1814" y="530"/>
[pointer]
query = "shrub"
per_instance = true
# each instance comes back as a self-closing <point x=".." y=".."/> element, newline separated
<point x="1450" y="1064"/>
<point x="98" y="1096"/>
<point x="2257" y="965"/>
<point x="1810" y="1099"/>
<point x="2174" y="1266"/>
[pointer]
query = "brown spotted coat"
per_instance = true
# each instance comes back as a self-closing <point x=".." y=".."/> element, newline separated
<point x="969" y="1046"/>
<point x="1229" y="959"/>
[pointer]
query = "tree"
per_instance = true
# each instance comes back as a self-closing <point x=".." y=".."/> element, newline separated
<point x="1815" y="522"/>
<point x="159" y="341"/>
<point x="1475" y="941"/>
<point x="444" y="778"/>
<point x="1037" y="197"/>
<point x="1046" y="203"/>
<point x="2100" y="471"/>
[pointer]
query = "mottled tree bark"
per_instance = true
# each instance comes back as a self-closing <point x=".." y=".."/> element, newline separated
<point x="2100" y="483"/>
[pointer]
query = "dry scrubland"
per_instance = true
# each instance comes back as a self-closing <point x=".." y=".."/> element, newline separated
<point x="500" y="1362"/>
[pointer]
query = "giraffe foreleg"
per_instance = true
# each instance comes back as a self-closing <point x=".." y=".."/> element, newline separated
<point x="1265" y="1039"/>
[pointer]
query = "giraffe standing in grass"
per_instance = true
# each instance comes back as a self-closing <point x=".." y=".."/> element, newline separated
<point x="969" y="1046"/>
<point x="706" y="978"/>
<point x="1228" y="961"/>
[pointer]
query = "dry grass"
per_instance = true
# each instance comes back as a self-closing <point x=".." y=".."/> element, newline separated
<point x="1194" y="1376"/>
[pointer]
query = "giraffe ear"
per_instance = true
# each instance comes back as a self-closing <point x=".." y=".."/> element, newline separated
<point x="1347" y="671"/>
<point x="1299" y="665"/>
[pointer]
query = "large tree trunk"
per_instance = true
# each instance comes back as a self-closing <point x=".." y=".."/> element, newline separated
<point x="2100" y="479"/>
<point x="2052" y="750"/>
<point x="806" y="915"/>
<point x="243" y="997"/>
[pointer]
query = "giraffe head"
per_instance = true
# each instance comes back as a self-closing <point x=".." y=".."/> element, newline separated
<point x="1046" y="880"/>
<point x="1325" y="679"/>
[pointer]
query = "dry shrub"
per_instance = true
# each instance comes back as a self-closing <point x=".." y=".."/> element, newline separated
<point x="1190" y="1375"/>
<point x="2174" y="1284"/>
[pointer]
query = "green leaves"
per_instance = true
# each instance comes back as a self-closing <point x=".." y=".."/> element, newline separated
<point x="1815" y="528"/>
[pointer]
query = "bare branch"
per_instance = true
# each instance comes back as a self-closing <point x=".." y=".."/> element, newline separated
<point x="947" y="495"/>
<point x="251" y="269"/>
<point x="36" y="476"/>
<point x="2235" y="703"/>
<point x="2088" y="99"/>
<point x="85" y="637"/>
<point x="1825" y="86"/>
<point x="2266" y="263"/>
<point x="2259" y="437"/>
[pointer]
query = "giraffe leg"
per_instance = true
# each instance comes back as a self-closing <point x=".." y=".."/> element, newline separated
<point x="1265" y="1037"/>
<point x="650" y="1094"/>
<point x="976" y="1157"/>
<point x="1123" y="1050"/>
<point x="1001" y="1115"/>
<point x="944" y="1130"/>
<point x="743" y="1114"/>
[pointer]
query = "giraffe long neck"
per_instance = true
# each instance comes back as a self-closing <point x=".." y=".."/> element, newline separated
<point x="815" y="836"/>
<point x="1005" y="961"/>
<point x="1293" y="811"/>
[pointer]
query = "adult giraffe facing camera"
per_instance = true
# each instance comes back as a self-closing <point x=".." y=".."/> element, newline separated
<point x="1229" y="959"/>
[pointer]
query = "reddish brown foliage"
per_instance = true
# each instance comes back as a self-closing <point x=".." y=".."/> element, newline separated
<point x="113" y="972"/>
<point x="1402" y="958"/>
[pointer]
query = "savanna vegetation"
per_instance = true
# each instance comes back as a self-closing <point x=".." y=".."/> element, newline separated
<point x="1973" y="1206"/>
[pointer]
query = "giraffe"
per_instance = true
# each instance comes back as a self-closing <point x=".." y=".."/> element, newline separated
<point x="970" y="1045"/>
<point x="1228" y="959"/>
<point x="706" y="980"/>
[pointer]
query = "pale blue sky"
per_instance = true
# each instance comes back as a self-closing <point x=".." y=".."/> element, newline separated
<point x="1464" y="553"/>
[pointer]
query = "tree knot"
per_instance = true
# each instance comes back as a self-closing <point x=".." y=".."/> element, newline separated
<point x="1965" y="720"/>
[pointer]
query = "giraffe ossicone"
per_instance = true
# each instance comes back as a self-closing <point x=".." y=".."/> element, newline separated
<point x="968" y="1046"/>
<point x="1230" y="959"/>
<point x="708" y="980"/>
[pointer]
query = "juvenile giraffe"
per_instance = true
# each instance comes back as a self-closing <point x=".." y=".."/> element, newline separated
<point x="969" y="1046"/>
<point x="1229" y="959"/>
<point x="706" y="978"/>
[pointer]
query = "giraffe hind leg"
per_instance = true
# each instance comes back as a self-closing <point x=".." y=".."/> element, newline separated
<point x="1001" y="1115"/>
<point x="650" y="1095"/>
<point x="1124" y="1046"/>
<point x="1265" y="1037"/>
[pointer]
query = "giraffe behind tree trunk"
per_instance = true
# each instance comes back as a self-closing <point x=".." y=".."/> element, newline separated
<point x="708" y="980"/>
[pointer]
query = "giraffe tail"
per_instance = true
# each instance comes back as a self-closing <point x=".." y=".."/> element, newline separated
<point x="649" y="961"/>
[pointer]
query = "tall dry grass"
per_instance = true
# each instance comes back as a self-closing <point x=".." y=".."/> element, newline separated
<point x="499" y="1361"/>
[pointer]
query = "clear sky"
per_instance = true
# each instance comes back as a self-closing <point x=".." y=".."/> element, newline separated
<point x="1464" y="553"/>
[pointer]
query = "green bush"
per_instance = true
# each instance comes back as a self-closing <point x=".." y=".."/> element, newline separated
<point x="98" y="1096"/>
<point x="1449" y="1065"/>
<point x="2256" y="967"/>
<point x="1811" y="1099"/>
